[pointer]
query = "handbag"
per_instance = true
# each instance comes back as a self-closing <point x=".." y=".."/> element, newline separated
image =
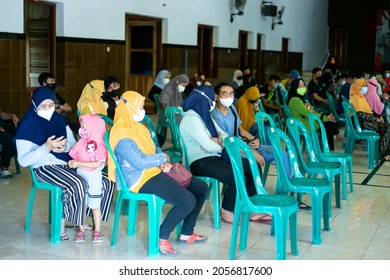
<point x="180" y="174"/>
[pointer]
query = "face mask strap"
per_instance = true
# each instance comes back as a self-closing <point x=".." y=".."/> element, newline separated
<point x="204" y="94"/>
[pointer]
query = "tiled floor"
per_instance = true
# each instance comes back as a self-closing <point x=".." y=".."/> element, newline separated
<point x="359" y="230"/>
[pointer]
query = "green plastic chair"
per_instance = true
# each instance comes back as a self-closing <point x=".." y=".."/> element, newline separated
<point x="283" y="208"/>
<point x="259" y="117"/>
<point x="322" y="151"/>
<point x="275" y="116"/>
<point x="332" y="104"/>
<point x="174" y="155"/>
<point x="319" y="189"/>
<point x="154" y="203"/>
<point x="355" y="132"/>
<point x="55" y="207"/>
<point x="107" y="120"/>
<point x="312" y="165"/>
<point x="173" y="114"/>
<point x="162" y="124"/>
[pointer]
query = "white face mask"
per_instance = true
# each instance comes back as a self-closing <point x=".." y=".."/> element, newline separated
<point x="387" y="75"/>
<point x="46" y="114"/>
<point x="165" y="81"/>
<point x="227" y="102"/>
<point x="181" y="88"/>
<point x="343" y="83"/>
<point x="198" y="83"/>
<point x="364" y="90"/>
<point x="140" y="115"/>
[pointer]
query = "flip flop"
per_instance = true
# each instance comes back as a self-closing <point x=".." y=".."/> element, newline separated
<point x="166" y="248"/>
<point x="304" y="206"/>
<point x="194" y="238"/>
<point x="262" y="219"/>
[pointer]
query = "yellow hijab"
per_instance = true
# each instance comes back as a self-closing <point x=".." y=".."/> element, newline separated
<point x="245" y="109"/>
<point x="126" y="127"/>
<point x="90" y="101"/>
<point x="357" y="99"/>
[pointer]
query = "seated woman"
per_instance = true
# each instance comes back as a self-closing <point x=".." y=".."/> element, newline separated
<point x="247" y="106"/>
<point x="90" y="101"/>
<point x="301" y="110"/>
<point x="368" y="119"/>
<point x="43" y="140"/>
<point x="163" y="77"/>
<point x="172" y="94"/>
<point x="373" y="99"/>
<point x="204" y="140"/>
<point x="144" y="167"/>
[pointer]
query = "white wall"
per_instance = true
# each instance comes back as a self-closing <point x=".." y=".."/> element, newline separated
<point x="304" y="22"/>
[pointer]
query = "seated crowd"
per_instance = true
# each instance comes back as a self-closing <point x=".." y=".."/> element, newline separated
<point x="45" y="139"/>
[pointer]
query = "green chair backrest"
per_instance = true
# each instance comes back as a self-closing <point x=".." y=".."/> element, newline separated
<point x="351" y="117"/>
<point x="235" y="147"/>
<point x="320" y="141"/>
<point x="332" y="105"/>
<point x="259" y="117"/>
<point x="149" y="123"/>
<point x="107" y="119"/>
<point x="160" y="113"/>
<point x="174" y="115"/>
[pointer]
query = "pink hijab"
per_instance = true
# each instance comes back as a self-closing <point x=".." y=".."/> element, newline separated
<point x="91" y="148"/>
<point x="373" y="98"/>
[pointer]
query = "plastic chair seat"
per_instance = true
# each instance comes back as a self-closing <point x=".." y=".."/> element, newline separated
<point x="154" y="203"/>
<point x="283" y="208"/>
<point x="55" y="207"/>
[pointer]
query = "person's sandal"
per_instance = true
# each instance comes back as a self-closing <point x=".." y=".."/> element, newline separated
<point x="193" y="238"/>
<point x="79" y="237"/>
<point x="97" y="237"/>
<point x="303" y="206"/>
<point x="64" y="237"/>
<point x="166" y="248"/>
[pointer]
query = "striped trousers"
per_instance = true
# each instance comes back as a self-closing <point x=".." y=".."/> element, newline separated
<point x="74" y="189"/>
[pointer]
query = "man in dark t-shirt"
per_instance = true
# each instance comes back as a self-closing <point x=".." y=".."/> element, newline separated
<point x="316" y="95"/>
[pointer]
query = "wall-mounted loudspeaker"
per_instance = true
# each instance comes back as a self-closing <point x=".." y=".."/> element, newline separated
<point x="269" y="10"/>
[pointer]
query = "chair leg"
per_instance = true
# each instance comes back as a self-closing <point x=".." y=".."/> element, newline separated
<point x="216" y="204"/>
<point x="337" y="191"/>
<point x="316" y="209"/>
<point x="154" y="213"/>
<point x="30" y="208"/>
<point x="244" y="230"/>
<point x="233" y="240"/>
<point x="280" y="236"/>
<point x="293" y="234"/>
<point x="344" y="180"/>
<point x="56" y="215"/>
<point x="118" y="209"/>
<point x="265" y="173"/>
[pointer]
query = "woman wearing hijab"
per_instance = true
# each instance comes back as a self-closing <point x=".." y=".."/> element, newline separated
<point x="204" y="141"/>
<point x="90" y="157"/>
<point x="300" y="110"/>
<point x="163" y="77"/>
<point x="373" y="98"/>
<point x="247" y="106"/>
<point x="237" y="79"/>
<point x="144" y="166"/>
<point x="367" y="118"/>
<point x="43" y="140"/>
<point x="90" y="101"/>
<point x="172" y="95"/>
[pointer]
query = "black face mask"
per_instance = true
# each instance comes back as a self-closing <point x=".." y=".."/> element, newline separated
<point x="113" y="93"/>
<point x="52" y="86"/>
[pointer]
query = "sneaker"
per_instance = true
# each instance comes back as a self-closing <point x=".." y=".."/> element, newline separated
<point x="6" y="174"/>
<point x="98" y="236"/>
<point x="79" y="237"/>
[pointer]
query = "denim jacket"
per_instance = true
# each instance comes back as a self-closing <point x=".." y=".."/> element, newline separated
<point x="133" y="161"/>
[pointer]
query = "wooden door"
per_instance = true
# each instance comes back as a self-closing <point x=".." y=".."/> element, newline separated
<point x="142" y="55"/>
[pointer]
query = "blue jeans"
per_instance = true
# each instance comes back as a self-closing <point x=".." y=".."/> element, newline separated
<point x="187" y="202"/>
<point x="268" y="154"/>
